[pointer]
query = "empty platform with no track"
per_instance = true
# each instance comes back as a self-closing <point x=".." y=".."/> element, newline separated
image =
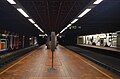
<point x="67" y="64"/>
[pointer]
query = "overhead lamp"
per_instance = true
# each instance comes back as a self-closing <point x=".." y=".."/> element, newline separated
<point x="31" y="21"/>
<point x="74" y="21"/>
<point x="66" y="28"/>
<point x="69" y="25"/>
<point x="97" y="1"/>
<point x="41" y="29"/>
<point x="11" y="1"/>
<point x="38" y="28"/>
<point x="63" y="30"/>
<point x="36" y="25"/>
<point x="83" y="13"/>
<point x="57" y="34"/>
<point x="22" y="12"/>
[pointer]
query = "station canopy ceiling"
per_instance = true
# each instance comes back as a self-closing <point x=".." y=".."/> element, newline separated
<point x="54" y="15"/>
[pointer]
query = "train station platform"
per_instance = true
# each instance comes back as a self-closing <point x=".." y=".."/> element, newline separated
<point x="67" y="64"/>
<point x="109" y="51"/>
<point x="98" y="57"/>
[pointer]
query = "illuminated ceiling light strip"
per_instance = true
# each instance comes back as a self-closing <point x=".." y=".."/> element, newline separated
<point x="57" y="34"/>
<point x="69" y="25"/>
<point x="63" y="30"/>
<point x="36" y="25"/>
<point x="97" y="1"/>
<point x="83" y="13"/>
<point x="31" y="21"/>
<point x="38" y="28"/>
<point x="74" y="21"/>
<point x="11" y="1"/>
<point x="22" y="12"/>
<point x="41" y="29"/>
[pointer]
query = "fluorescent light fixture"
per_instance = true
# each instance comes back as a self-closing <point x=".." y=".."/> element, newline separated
<point x="66" y="28"/>
<point x="36" y="25"/>
<point x="22" y="12"/>
<point x="31" y="21"/>
<point x="41" y="29"/>
<point x="11" y="1"/>
<point x="63" y="30"/>
<point x="38" y="28"/>
<point x="74" y="21"/>
<point x="57" y="34"/>
<point x="69" y="25"/>
<point x="97" y="1"/>
<point x="83" y="13"/>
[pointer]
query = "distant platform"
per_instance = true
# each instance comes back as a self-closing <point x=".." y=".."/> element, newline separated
<point x="100" y="47"/>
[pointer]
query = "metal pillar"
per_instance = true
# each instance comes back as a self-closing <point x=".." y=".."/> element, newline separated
<point x="53" y="46"/>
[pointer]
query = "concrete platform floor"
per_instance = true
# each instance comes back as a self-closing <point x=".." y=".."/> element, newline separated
<point x="67" y="64"/>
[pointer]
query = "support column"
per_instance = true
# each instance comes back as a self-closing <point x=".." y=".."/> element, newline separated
<point x="53" y="46"/>
<point x="53" y="41"/>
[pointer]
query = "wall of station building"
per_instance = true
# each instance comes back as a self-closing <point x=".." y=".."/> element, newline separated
<point x="11" y="41"/>
<point x="103" y="39"/>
